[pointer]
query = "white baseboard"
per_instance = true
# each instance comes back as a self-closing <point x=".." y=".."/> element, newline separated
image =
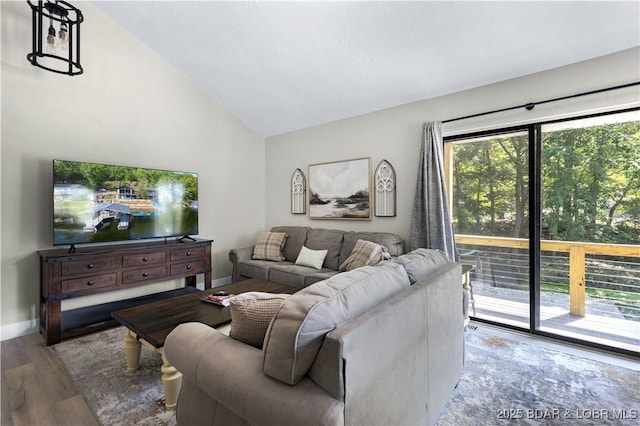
<point x="23" y="328"/>
<point x="18" y="329"/>
<point x="221" y="281"/>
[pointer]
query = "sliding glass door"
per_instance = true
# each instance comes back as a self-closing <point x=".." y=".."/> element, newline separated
<point x="548" y="215"/>
<point x="590" y="269"/>
<point x="490" y="209"/>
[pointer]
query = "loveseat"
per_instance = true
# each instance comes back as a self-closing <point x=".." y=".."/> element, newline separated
<point x="339" y="245"/>
<point x="375" y="345"/>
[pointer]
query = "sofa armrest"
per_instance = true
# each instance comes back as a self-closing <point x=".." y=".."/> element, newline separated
<point x="445" y="334"/>
<point x="230" y="372"/>
<point x="381" y="373"/>
<point x="388" y="377"/>
<point x="236" y="256"/>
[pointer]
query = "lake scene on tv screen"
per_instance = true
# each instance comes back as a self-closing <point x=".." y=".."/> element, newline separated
<point x="98" y="202"/>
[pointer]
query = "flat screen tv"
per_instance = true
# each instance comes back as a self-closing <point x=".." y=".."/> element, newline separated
<point x="95" y="203"/>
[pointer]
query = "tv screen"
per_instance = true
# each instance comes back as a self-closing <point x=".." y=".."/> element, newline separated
<point x="99" y="202"/>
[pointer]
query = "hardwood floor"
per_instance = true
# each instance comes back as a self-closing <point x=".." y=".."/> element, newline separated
<point x="36" y="389"/>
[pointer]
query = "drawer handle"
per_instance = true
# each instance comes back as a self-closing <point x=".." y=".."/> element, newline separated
<point x="188" y="266"/>
<point x="89" y="282"/>
<point x="188" y="253"/>
<point x="91" y="266"/>
<point x="145" y="274"/>
<point x="144" y="259"/>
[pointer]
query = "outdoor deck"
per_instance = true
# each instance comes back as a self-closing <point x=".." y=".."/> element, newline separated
<point x="588" y="291"/>
<point x="511" y="307"/>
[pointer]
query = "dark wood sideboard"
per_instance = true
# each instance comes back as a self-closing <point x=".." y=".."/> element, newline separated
<point x="99" y="269"/>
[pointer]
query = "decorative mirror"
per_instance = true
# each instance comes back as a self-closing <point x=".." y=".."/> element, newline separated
<point x="385" y="190"/>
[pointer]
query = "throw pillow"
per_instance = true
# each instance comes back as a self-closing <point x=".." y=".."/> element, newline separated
<point x="311" y="258"/>
<point x="365" y="253"/>
<point x="269" y="246"/>
<point x="251" y="314"/>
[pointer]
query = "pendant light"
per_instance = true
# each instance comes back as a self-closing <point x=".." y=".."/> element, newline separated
<point x="56" y="37"/>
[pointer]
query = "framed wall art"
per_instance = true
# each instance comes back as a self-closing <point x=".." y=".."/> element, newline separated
<point x="340" y="190"/>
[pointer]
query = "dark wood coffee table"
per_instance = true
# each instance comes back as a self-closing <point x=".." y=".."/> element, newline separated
<point x="150" y="324"/>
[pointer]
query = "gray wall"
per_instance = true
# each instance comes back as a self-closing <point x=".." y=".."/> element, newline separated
<point x="130" y="107"/>
<point x="394" y="134"/>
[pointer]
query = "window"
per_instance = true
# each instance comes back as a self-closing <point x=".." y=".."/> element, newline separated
<point x="549" y="216"/>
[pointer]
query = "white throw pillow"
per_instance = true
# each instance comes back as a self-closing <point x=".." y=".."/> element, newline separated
<point x="311" y="258"/>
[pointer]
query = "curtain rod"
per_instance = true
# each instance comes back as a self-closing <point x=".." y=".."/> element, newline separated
<point x="532" y="105"/>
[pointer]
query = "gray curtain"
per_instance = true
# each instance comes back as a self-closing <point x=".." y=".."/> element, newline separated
<point x="430" y="224"/>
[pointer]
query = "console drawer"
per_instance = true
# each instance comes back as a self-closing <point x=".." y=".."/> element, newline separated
<point x="89" y="283"/>
<point x="144" y="274"/>
<point x="95" y="265"/>
<point x="187" y="254"/>
<point x="143" y="259"/>
<point x="186" y="268"/>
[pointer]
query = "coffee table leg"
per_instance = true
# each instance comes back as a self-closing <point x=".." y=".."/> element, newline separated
<point x="132" y="351"/>
<point x="171" y="381"/>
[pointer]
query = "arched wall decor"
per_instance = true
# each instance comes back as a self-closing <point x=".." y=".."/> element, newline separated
<point x="298" y="192"/>
<point x="385" y="190"/>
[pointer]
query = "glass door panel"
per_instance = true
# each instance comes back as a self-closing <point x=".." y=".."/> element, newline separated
<point x="489" y="196"/>
<point x="590" y="257"/>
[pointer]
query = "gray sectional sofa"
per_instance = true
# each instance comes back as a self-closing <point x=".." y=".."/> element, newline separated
<point x="338" y="243"/>
<point x="376" y="345"/>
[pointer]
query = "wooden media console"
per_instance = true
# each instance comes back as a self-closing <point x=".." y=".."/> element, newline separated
<point x="107" y="268"/>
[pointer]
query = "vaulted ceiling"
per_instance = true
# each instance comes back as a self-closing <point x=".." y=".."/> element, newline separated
<point x="282" y="66"/>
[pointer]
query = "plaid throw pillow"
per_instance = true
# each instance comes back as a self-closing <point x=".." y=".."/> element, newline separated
<point x="365" y="253"/>
<point x="269" y="246"/>
<point x="251" y="314"/>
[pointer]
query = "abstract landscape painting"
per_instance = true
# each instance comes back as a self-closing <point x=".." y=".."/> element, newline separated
<point x="340" y="190"/>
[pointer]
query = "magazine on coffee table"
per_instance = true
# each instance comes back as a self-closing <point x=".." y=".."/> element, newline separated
<point x="218" y="299"/>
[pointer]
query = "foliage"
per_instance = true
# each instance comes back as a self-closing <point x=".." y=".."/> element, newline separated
<point x="590" y="179"/>
<point x="101" y="177"/>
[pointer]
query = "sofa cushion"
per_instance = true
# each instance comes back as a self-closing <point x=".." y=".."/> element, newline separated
<point x="269" y="246"/>
<point x="296" y="236"/>
<point x="257" y="268"/>
<point x="311" y="258"/>
<point x="326" y="239"/>
<point x="298" y="329"/>
<point x="365" y="253"/>
<point x="319" y="276"/>
<point x="394" y="243"/>
<point x="251" y="314"/>
<point x="421" y="262"/>
<point x="291" y="275"/>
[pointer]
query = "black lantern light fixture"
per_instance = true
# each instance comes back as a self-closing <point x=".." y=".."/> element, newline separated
<point x="56" y="37"/>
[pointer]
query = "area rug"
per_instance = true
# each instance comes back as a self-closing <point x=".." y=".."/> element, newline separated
<point x="98" y="367"/>
<point x="510" y="382"/>
<point x="505" y="382"/>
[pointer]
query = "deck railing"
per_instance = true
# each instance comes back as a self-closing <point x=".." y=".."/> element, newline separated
<point x="577" y="252"/>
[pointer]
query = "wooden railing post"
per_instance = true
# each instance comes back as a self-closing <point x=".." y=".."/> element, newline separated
<point x="448" y="175"/>
<point x="577" y="280"/>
